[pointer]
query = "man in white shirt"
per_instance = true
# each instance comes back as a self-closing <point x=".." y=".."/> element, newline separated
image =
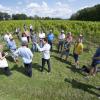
<point x="31" y="28"/>
<point x="41" y="37"/>
<point x="61" y="38"/>
<point x="46" y="54"/>
<point x="27" y="56"/>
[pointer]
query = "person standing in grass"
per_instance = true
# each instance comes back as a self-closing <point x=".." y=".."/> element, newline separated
<point x="78" y="49"/>
<point x="67" y="46"/>
<point x="28" y="35"/>
<point x="50" y="38"/>
<point x="12" y="46"/>
<point x="25" y="27"/>
<point x="27" y="56"/>
<point x="34" y="40"/>
<point x="41" y="37"/>
<point x="95" y="62"/>
<point x="66" y="50"/>
<point x="61" y="38"/>
<point x="3" y="62"/>
<point x="46" y="54"/>
<point x="69" y="37"/>
<point x="17" y="32"/>
<point x="31" y="28"/>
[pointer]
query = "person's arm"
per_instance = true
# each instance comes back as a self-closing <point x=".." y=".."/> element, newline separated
<point x="31" y="54"/>
<point x="4" y="56"/>
<point x="40" y="49"/>
<point x="16" y="52"/>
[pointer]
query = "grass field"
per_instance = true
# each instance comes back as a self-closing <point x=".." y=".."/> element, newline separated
<point x="63" y="83"/>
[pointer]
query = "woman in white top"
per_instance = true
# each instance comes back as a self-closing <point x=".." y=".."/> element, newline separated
<point x="41" y="37"/>
<point x="46" y="54"/>
<point x="28" y="35"/>
<point x="24" y="38"/>
<point x="3" y="61"/>
<point x="61" y="38"/>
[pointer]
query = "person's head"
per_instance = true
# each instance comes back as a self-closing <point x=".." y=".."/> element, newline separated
<point x="23" y="35"/>
<point x="6" y="33"/>
<point x="25" y="44"/>
<point x="45" y="40"/>
<point x="69" y="33"/>
<point x="50" y="31"/>
<point x="62" y="31"/>
<point x="81" y="36"/>
<point x="11" y="38"/>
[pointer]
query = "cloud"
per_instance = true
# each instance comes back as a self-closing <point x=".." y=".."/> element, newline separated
<point x="60" y="9"/>
<point x="43" y="10"/>
<point x="5" y="9"/>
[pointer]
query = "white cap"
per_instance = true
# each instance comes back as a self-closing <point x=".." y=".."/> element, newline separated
<point x="62" y="31"/>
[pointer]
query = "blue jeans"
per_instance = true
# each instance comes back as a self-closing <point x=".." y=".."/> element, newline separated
<point x="34" y="48"/>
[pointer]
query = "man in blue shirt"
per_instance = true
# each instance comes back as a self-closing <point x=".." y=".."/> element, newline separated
<point x="50" y="38"/>
<point x="12" y="46"/>
<point x="27" y="56"/>
<point x="95" y="61"/>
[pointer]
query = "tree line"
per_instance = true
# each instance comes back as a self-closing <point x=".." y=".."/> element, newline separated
<point x="6" y="16"/>
<point x="87" y="14"/>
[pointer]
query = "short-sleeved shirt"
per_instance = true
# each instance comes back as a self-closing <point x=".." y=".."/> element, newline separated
<point x="41" y="35"/>
<point x="12" y="45"/>
<point x="25" y="53"/>
<point x="50" y="36"/>
<point x="78" y="48"/>
<point x="61" y="36"/>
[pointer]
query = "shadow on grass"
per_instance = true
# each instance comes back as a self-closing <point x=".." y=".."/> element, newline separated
<point x="72" y="67"/>
<point x="36" y="66"/>
<point x="82" y="86"/>
<point x="75" y="70"/>
<point x="71" y="55"/>
<point x="2" y="72"/>
<point x="55" y="51"/>
<point x="62" y="60"/>
<point x="9" y="58"/>
<point x="20" y="69"/>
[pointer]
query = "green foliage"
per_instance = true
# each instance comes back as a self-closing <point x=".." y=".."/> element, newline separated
<point x="64" y="82"/>
<point x="88" y="14"/>
<point x="76" y="27"/>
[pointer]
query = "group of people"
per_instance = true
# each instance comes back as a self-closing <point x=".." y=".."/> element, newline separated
<point x="45" y="45"/>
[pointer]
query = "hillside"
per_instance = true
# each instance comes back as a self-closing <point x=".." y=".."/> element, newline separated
<point x="88" y="14"/>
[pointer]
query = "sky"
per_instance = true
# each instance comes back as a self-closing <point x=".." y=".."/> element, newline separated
<point x="43" y="8"/>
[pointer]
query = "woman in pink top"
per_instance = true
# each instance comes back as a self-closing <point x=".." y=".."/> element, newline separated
<point x="69" y="37"/>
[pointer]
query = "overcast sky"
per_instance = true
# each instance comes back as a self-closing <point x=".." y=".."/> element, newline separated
<point x="43" y="8"/>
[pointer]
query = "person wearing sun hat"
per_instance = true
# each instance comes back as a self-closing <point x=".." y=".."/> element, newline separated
<point x="50" y="38"/>
<point x="12" y="46"/>
<point x="61" y="38"/>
